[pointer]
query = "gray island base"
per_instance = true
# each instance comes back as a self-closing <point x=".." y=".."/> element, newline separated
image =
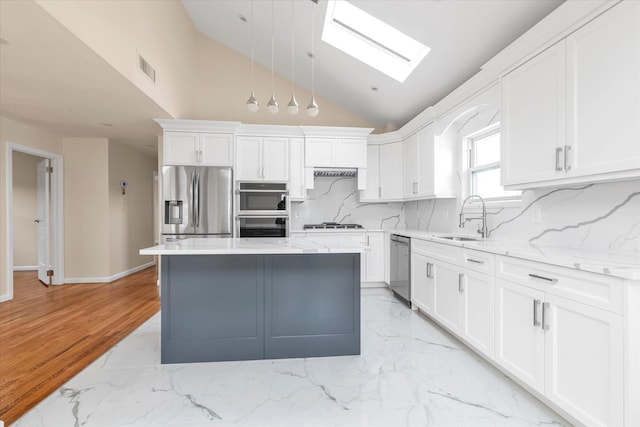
<point x="244" y="307"/>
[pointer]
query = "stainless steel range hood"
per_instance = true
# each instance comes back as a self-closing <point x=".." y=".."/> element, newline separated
<point x="335" y="172"/>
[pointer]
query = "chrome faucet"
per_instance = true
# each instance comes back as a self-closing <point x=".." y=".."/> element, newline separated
<point x="483" y="231"/>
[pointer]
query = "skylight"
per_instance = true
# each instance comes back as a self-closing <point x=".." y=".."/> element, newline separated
<point x="371" y="41"/>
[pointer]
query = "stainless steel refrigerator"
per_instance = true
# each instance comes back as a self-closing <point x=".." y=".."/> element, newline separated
<point x="196" y="202"/>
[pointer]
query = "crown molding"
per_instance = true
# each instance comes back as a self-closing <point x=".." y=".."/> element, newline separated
<point x="197" y="125"/>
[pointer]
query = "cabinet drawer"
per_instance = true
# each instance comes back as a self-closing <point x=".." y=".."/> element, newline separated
<point x="589" y="288"/>
<point x="479" y="261"/>
<point x="441" y="251"/>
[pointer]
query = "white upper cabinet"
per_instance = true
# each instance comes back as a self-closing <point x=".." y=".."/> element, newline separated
<point x="336" y="152"/>
<point x="391" y="177"/>
<point x="411" y="167"/>
<point x="198" y="148"/>
<point x="262" y="158"/>
<point x="572" y="113"/>
<point x="533" y="119"/>
<point x="297" y="188"/>
<point x="372" y="191"/>
<point x="603" y="68"/>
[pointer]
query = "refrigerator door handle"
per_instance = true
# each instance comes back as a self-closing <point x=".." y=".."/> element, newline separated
<point x="193" y="198"/>
<point x="197" y="199"/>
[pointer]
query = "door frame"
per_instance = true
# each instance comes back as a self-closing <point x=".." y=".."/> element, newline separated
<point x="57" y="214"/>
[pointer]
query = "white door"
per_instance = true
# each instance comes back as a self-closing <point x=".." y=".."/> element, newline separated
<point x="584" y="355"/>
<point x="372" y="192"/>
<point x="374" y="258"/>
<point x="249" y="158"/>
<point x="478" y="314"/>
<point x="391" y="177"/>
<point x="603" y="65"/>
<point x="533" y="118"/>
<point x="275" y="159"/>
<point x="43" y="221"/>
<point x="447" y="305"/>
<point x="216" y="149"/>
<point x="519" y="337"/>
<point x="422" y="283"/>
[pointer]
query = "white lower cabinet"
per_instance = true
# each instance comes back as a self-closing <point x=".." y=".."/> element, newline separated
<point x="422" y="283"/>
<point x="569" y="352"/>
<point x="374" y="258"/>
<point x="570" y="336"/>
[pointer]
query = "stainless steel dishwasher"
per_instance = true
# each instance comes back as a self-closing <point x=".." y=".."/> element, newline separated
<point x="401" y="267"/>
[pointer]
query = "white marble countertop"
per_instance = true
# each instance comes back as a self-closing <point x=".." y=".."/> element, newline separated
<point x="336" y="230"/>
<point x="625" y="266"/>
<point x="255" y="246"/>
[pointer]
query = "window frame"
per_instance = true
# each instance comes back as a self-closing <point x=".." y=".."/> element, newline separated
<point x="471" y="169"/>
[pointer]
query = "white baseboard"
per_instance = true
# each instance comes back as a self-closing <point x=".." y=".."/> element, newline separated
<point x="24" y="268"/>
<point x="107" y="279"/>
<point x="373" y="285"/>
<point x="3" y="298"/>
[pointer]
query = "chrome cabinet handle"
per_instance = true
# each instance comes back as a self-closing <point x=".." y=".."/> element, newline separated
<point x="475" y="261"/>
<point x="536" y="305"/>
<point x="559" y="165"/>
<point x="545" y="316"/>
<point x="567" y="159"/>
<point x="379" y="191"/>
<point x="546" y="279"/>
<point x="367" y="240"/>
<point x="429" y="270"/>
<point x="415" y="188"/>
<point x="460" y="284"/>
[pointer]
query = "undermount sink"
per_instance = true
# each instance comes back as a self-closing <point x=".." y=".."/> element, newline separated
<point x="460" y="238"/>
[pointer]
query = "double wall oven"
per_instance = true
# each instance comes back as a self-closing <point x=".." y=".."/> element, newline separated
<point x="262" y="209"/>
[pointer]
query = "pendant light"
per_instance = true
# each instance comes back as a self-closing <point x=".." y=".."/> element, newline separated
<point x="292" y="107"/>
<point x="272" y="105"/>
<point x="252" y="102"/>
<point x="312" y="108"/>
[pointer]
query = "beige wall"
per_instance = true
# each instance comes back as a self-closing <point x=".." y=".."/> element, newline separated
<point x="131" y="214"/>
<point x="161" y="31"/>
<point x="223" y="80"/>
<point x="25" y="209"/>
<point x="19" y="133"/>
<point x="86" y="207"/>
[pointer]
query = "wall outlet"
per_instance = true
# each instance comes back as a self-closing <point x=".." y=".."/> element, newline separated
<point x="536" y="216"/>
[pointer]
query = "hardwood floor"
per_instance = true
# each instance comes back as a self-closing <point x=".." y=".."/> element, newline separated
<point x="48" y="335"/>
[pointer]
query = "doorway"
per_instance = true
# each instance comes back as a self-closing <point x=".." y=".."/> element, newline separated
<point x="47" y="218"/>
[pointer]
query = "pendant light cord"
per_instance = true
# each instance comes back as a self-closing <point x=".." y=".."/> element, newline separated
<point x="272" y="30"/>
<point x="313" y="53"/>
<point x="293" y="62"/>
<point x="252" y="72"/>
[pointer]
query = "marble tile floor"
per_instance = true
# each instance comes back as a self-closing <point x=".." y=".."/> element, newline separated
<point x="410" y="373"/>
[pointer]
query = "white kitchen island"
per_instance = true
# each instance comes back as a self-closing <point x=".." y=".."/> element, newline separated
<point x="258" y="298"/>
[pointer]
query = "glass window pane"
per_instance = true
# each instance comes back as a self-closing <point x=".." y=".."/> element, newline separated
<point x="487" y="149"/>
<point x="486" y="184"/>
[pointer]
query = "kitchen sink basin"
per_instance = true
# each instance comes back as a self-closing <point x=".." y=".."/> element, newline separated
<point x="460" y="238"/>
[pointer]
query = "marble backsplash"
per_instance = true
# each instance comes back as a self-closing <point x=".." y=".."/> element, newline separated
<point x="600" y="217"/>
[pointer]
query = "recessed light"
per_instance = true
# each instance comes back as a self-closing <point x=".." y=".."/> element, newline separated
<point x="310" y="55"/>
<point x="242" y="18"/>
<point x="106" y="124"/>
<point x="3" y="41"/>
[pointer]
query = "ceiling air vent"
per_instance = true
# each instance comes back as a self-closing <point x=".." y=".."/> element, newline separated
<point x="146" y="68"/>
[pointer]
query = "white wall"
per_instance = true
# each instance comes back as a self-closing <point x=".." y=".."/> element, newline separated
<point x="130" y="214"/>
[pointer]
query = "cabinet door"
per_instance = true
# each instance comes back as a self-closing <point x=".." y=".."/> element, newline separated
<point x="447" y="305"/>
<point x="533" y="118"/>
<point x="391" y="171"/>
<point x="410" y="154"/>
<point x="249" y="158"/>
<point x="375" y="257"/>
<point x="603" y="61"/>
<point x="372" y="192"/>
<point x="318" y="151"/>
<point x="216" y="149"/>
<point x="422" y="288"/>
<point x="351" y="153"/>
<point x="477" y="309"/>
<point x="519" y="337"/>
<point x="427" y="162"/>
<point x="275" y="158"/>
<point x="297" y="190"/>
<point x="584" y="345"/>
<point x="180" y="148"/>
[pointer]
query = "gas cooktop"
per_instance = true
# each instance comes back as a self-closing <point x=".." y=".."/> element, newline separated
<point x="330" y="225"/>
